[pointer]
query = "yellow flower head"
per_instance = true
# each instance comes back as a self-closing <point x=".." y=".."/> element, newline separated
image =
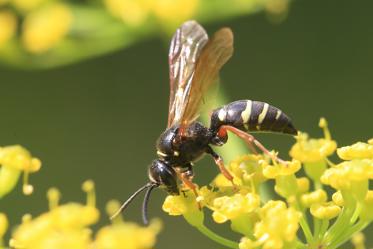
<point x="14" y="160"/>
<point x="326" y="210"/>
<point x="8" y="26"/>
<point x="127" y="236"/>
<point x="313" y="150"/>
<point x="46" y="27"/>
<point x="64" y="226"/>
<point x="278" y="224"/>
<point x="184" y="205"/>
<point x="358" y="150"/>
<point x="349" y="173"/>
<point x="229" y="207"/>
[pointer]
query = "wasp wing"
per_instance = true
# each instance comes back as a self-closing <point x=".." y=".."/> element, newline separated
<point x="186" y="46"/>
<point x="213" y="56"/>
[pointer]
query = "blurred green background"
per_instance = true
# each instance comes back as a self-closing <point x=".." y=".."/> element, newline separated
<point x="100" y="118"/>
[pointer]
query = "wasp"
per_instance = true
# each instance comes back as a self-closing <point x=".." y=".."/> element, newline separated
<point x="194" y="64"/>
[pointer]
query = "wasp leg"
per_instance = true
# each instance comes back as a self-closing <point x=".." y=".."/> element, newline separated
<point x="220" y="163"/>
<point x="251" y="140"/>
<point x="186" y="177"/>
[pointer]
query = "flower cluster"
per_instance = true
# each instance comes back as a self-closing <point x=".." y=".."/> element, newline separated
<point x="52" y="32"/>
<point x="274" y="223"/>
<point x="67" y="226"/>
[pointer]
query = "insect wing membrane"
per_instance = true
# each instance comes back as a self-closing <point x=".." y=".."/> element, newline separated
<point x="186" y="47"/>
<point x="214" y="55"/>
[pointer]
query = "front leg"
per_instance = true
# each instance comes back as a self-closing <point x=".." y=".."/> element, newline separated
<point x="220" y="163"/>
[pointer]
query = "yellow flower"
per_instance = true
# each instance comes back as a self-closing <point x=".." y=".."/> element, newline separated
<point x="313" y="150"/>
<point x="27" y="5"/>
<point x="230" y="207"/>
<point x="8" y="26"/>
<point x="64" y="226"/>
<point x="318" y="196"/>
<point x="127" y="236"/>
<point x="326" y="210"/>
<point x="14" y="160"/>
<point x="46" y="27"/>
<point x="184" y="205"/>
<point x="358" y="150"/>
<point x="281" y="169"/>
<point x="132" y="12"/>
<point x="352" y="176"/>
<point x="278" y="225"/>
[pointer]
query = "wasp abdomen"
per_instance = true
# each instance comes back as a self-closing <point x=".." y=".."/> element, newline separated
<point x="248" y="115"/>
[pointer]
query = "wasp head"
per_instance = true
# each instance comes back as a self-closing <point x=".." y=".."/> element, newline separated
<point x="162" y="174"/>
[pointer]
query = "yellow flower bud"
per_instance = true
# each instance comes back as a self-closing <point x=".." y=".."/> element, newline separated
<point x="358" y="150"/>
<point x="318" y="196"/>
<point x="338" y="198"/>
<point x="46" y="27"/>
<point x="53" y="196"/>
<point x="325" y="211"/>
<point x="8" y="26"/>
<point x="303" y="184"/>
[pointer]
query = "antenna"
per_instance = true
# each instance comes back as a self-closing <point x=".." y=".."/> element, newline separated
<point x="130" y="199"/>
<point x="145" y="204"/>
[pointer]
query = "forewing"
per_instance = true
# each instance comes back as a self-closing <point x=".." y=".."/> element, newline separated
<point x="186" y="47"/>
<point x="214" y="55"/>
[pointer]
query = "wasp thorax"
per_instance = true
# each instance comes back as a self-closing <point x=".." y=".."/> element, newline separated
<point x="161" y="173"/>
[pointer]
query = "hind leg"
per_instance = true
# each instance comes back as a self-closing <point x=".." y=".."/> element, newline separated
<point x="251" y="141"/>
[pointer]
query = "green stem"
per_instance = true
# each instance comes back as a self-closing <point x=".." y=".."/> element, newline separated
<point x="347" y="234"/>
<point x="324" y="227"/>
<point x="339" y="225"/>
<point x="303" y="222"/>
<point x="316" y="229"/>
<point x="217" y="238"/>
